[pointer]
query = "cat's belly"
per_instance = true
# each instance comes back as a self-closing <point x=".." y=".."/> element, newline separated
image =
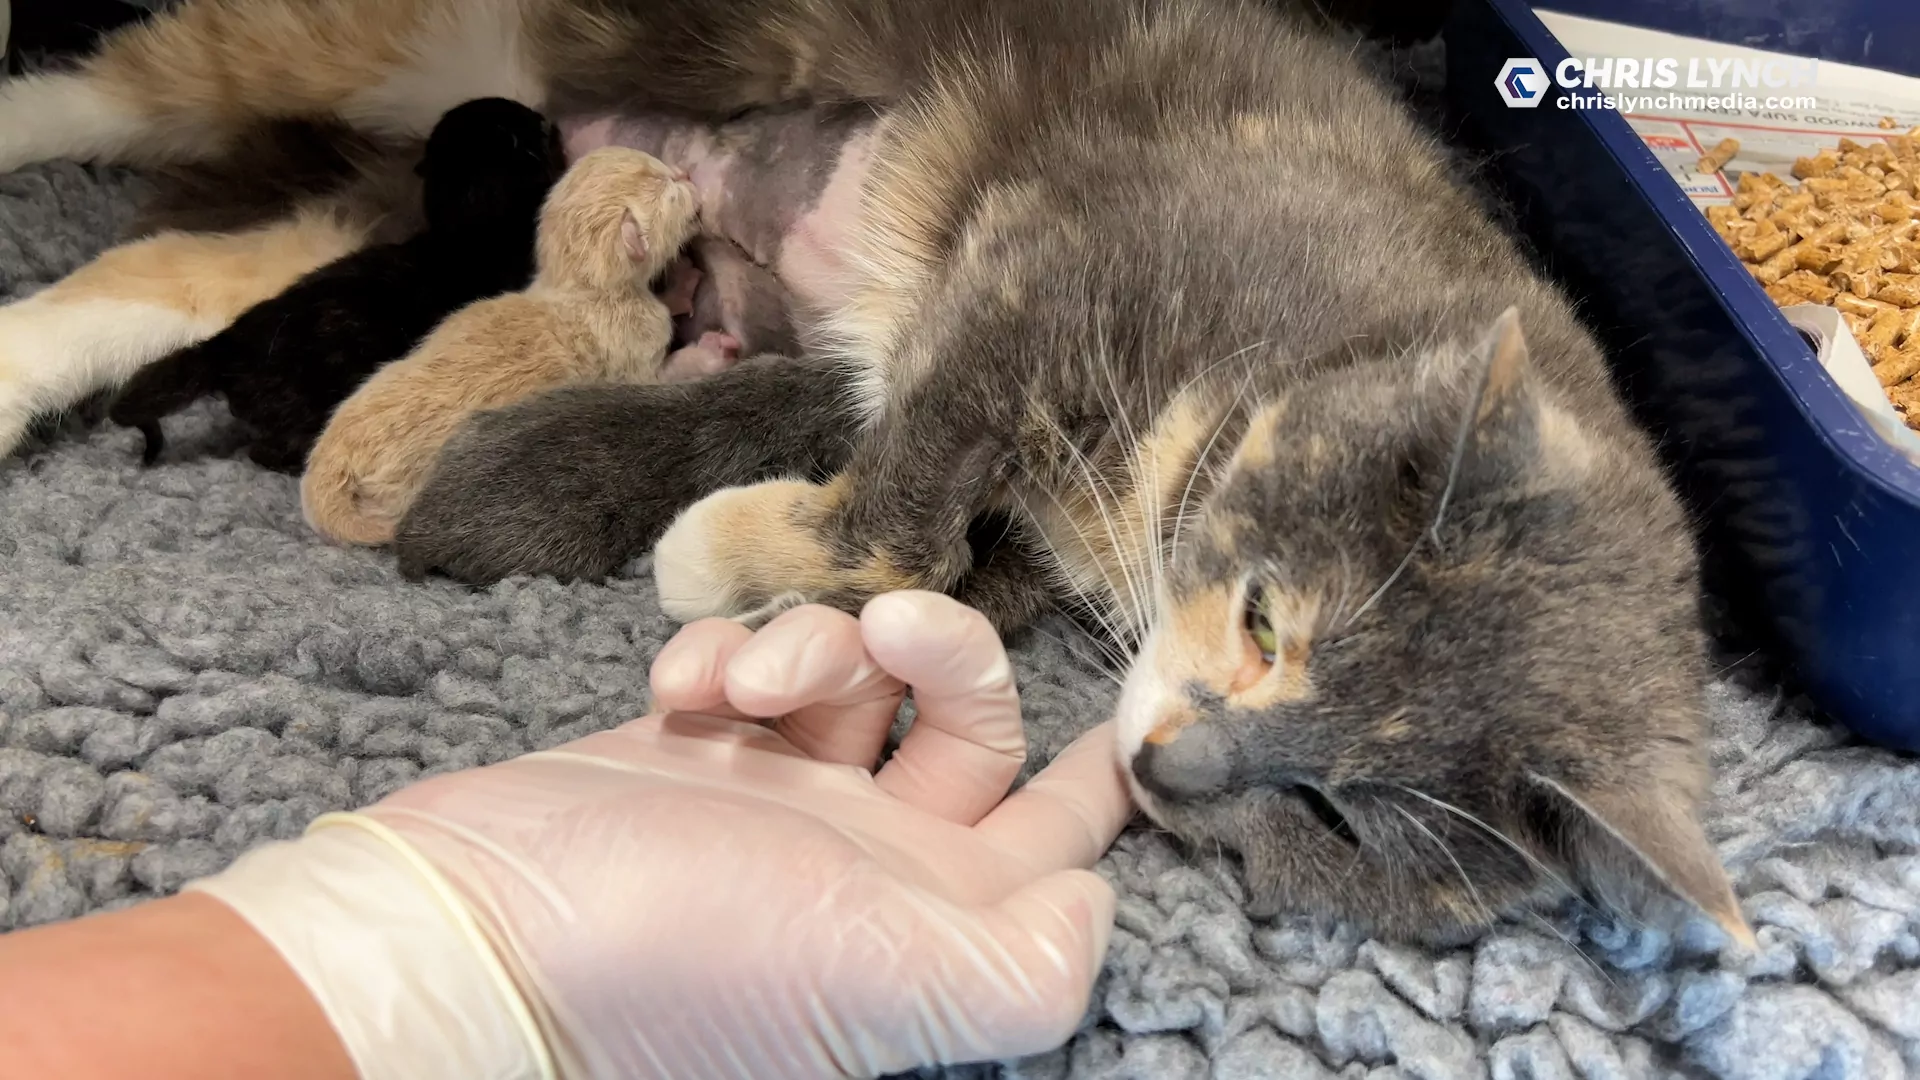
<point x="783" y="185"/>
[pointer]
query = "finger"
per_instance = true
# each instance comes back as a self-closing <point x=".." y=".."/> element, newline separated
<point x="810" y="668"/>
<point x="668" y="743"/>
<point x="1024" y="990"/>
<point x="1070" y="813"/>
<point x="966" y="743"/>
<point x="689" y="674"/>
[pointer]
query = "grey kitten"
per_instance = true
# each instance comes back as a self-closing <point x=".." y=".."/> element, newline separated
<point x="1175" y="286"/>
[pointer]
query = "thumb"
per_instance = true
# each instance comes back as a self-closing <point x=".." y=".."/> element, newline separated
<point x="1053" y="933"/>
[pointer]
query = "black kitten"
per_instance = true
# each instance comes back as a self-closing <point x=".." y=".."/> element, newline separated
<point x="286" y="363"/>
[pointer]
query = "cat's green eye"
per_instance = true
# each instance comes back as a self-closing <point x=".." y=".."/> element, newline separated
<point x="1259" y="626"/>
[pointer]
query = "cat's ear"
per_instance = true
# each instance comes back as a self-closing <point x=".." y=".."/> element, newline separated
<point x="634" y="239"/>
<point x="1658" y="833"/>
<point x="1483" y="399"/>
<point x="1504" y="369"/>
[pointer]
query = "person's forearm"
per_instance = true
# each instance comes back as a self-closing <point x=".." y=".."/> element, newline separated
<point x="176" y="988"/>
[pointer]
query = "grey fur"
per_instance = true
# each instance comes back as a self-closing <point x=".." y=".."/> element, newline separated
<point x="614" y="482"/>
<point x="186" y="672"/>
<point x="1167" y="197"/>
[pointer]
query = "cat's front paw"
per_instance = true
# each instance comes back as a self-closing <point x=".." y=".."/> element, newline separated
<point x="746" y="553"/>
<point x="542" y="487"/>
<point x="749" y="553"/>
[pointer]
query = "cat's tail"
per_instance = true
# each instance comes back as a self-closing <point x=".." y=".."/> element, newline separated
<point x="166" y="386"/>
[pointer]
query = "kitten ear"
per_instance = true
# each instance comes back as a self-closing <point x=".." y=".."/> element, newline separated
<point x="1664" y="838"/>
<point x="634" y="239"/>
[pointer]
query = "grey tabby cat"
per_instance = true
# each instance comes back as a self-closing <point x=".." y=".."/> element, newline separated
<point x="1175" y="289"/>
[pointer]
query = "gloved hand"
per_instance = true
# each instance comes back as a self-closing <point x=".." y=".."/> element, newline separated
<point x="695" y="894"/>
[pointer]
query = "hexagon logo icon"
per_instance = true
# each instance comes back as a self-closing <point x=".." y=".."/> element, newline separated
<point x="1523" y="82"/>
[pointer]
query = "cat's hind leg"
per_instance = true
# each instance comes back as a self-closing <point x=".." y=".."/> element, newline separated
<point x="179" y="85"/>
<point x="136" y="303"/>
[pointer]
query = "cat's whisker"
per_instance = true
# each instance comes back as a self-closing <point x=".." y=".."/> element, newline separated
<point x="1200" y="460"/>
<point x="1479" y="903"/>
<point x="1532" y="860"/>
<point x="1097" y="607"/>
<point x="1094" y="485"/>
<point x="1100" y="370"/>
<point x="1568" y="940"/>
<point x="1337" y="617"/>
<point x="1094" y="662"/>
<point x="1461" y="440"/>
<point x="1405" y="561"/>
<point x="1152" y="537"/>
<point x="1125" y="605"/>
<point x="1458" y="456"/>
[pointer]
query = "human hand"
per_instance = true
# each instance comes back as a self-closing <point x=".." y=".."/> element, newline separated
<point x="695" y="894"/>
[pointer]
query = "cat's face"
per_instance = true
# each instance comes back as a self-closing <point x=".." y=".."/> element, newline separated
<point x="489" y="164"/>
<point x="1417" y="716"/>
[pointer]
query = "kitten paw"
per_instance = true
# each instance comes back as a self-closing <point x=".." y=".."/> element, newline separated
<point x="714" y="353"/>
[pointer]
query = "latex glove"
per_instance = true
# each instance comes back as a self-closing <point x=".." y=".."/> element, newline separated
<point x="695" y="895"/>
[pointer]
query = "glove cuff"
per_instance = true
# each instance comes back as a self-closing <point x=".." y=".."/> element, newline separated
<point x="389" y="950"/>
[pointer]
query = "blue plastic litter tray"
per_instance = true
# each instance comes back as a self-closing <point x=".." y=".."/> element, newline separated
<point x="1809" y="523"/>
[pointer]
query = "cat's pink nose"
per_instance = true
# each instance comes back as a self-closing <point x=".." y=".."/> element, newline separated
<point x="682" y="175"/>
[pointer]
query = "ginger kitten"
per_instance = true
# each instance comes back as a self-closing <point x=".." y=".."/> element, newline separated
<point x="611" y="227"/>
<point x="285" y="364"/>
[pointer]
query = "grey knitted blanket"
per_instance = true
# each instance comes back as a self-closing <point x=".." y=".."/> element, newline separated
<point x="186" y="671"/>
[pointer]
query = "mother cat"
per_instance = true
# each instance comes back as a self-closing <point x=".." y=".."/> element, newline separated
<point x="1172" y="286"/>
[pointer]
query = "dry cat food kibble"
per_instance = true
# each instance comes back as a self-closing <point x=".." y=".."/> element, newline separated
<point x="1717" y="158"/>
<point x="1847" y="236"/>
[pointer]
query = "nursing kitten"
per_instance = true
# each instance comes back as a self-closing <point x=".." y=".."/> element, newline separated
<point x="614" y="223"/>
<point x="285" y="364"/>
<point x="211" y="240"/>
<point x="735" y="296"/>
<point x="1178" y="288"/>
